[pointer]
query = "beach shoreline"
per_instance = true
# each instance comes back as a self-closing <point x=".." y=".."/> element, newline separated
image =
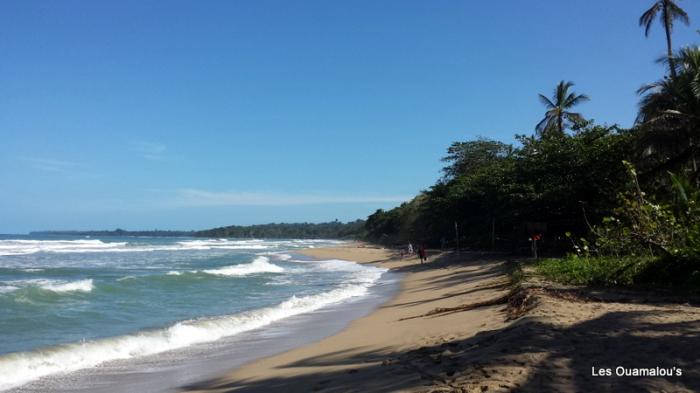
<point x="461" y="323"/>
<point x="360" y="357"/>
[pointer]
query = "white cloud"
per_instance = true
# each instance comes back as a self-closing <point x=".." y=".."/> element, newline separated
<point x="149" y="150"/>
<point x="197" y="198"/>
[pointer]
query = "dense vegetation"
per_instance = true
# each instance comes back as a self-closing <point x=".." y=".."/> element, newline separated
<point x="326" y="230"/>
<point x="622" y="203"/>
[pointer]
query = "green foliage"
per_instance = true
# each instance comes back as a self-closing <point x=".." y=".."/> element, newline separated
<point x="491" y="189"/>
<point x="326" y="230"/>
<point x="644" y="243"/>
<point x="597" y="271"/>
<point x="471" y="156"/>
<point x="644" y="227"/>
<point x="639" y="271"/>
<point x="669" y="119"/>
<point x="396" y="225"/>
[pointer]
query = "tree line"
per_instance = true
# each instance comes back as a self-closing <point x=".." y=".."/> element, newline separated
<point x="325" y="230"/>
<point x="582" y="186"/>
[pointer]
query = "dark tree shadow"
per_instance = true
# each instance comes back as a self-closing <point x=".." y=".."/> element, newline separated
<point x="559" y="359"/>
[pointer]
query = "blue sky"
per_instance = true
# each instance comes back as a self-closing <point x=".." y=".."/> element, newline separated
<point x="189" y="115"/>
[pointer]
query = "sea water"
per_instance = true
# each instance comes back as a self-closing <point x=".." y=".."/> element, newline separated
<point x="71" y="304"/>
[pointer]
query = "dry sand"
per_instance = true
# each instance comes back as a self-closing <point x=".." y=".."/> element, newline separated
<point x="446" y="331"/>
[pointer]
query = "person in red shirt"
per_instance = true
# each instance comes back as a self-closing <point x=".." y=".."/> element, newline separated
<point x="422" y="254"/>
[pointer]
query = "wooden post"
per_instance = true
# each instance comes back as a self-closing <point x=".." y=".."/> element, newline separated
<point x="534" y="238"/>
<point x="457" y="236"/>
<point x="534" y="248"/>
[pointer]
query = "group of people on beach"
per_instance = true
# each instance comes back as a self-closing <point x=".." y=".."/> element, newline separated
<point x="420" y="251"/>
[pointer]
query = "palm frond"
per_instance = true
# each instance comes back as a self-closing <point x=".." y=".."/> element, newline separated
<point x="676" y="12"/>
<point x="648" y="17"/>
<point x="573" y="100"/>
<point x="648" y="87"/>
<point x="546" y="102"/>
<point x="695" y="86"/>
<point x="544" y="124"/>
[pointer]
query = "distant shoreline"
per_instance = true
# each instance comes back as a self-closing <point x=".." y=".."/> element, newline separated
<point x="324" y="230"/>
<point x="117" y="232"/>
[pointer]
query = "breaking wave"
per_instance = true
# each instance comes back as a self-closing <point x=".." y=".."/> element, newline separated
<point x="22" y="367"/>
<point x="57" y="286"/>
<point x="259" y="265"/>
<point x="25" y="247"/>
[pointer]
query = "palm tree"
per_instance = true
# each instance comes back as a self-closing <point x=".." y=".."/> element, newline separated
<point x="669" y="114"/>
<point x="669" y="11"/>
<point x="679" y="96"/>
<point x="558" y="115"/>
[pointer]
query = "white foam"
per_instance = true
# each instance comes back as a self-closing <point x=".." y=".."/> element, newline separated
<point x="225" y="244"/>
<point x="259" y="265"/>
<point x="8" y="288"/>
<point x="85" y="285"/>
<point x="277" y="255"/>
<point x="22" y="367"/>
<point x="73" y="286"/>
<point x="174" y="273"/>
<point x="331" y="265"/>
<point x="24" y="247"/>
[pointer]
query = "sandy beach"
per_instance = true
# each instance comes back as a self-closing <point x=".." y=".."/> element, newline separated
<point x="448" y="329"/>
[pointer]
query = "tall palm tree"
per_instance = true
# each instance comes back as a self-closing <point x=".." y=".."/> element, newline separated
<point x="674" y="97"/>
<point x="558" y="115"/>
<point x="669" y="114"/>
<point x="669" y="11"/>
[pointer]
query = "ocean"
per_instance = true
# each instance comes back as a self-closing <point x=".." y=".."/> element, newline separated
<point x="85" y="314"/>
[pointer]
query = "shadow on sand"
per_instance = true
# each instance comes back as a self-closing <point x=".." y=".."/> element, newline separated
<point x="528" y="355"/>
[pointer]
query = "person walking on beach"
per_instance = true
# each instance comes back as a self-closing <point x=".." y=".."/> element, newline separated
<point x="422" y="254"/>
<point x="410" y="248"/>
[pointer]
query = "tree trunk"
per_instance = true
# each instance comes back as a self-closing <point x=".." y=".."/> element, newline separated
<point x="560" y="123"/>
<point x="669" y="47"/>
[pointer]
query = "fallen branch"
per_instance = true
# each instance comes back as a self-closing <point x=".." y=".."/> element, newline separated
<point x="464" y="307"/>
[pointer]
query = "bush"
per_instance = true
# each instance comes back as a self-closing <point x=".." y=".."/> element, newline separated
<point x="678" y="273"/>
<point x="596" y="271"/>
<point x="670" y="273"/>
<point x="641" y="226"/>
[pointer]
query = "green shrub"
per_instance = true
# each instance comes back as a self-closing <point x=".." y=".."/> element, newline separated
<point x="670" y="273"/>
<point x="596" y="271"/>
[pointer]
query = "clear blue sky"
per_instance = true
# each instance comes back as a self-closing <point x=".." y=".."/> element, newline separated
<point x="188" y="115"/>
